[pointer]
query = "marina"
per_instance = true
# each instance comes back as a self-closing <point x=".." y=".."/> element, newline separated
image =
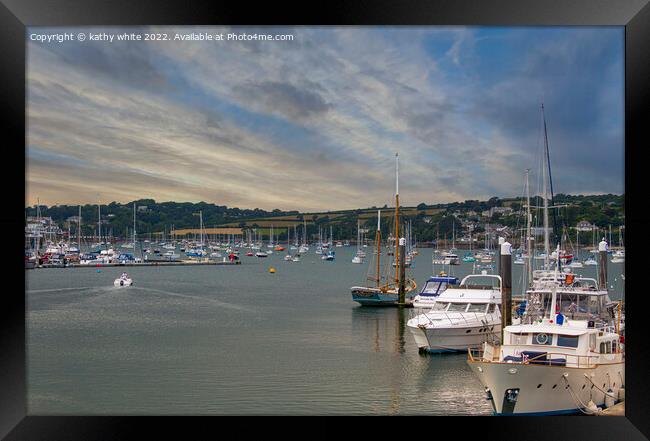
<point x="296" y="351"/>
<point x="359" y="221"/>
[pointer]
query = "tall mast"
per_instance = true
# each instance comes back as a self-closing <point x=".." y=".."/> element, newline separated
<point x="201" y="226"/>
<point x="79" y="230"/>
<point x="99" y="223"/>
<point x="134" y="228"/>
<point x="529" y="242"/>
<point x="396" y="218"/>
<point x="378" y="240"/>
<point x="545" y="169"/>
<point x="453" y="232"/>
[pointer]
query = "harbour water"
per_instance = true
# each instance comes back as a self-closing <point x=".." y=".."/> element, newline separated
<point x="238" y="340"/>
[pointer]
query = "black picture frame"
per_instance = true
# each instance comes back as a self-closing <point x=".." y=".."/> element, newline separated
<point x="15" y="15"/>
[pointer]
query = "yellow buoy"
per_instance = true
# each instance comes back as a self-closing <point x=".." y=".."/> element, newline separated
<point x="272" y="270"/>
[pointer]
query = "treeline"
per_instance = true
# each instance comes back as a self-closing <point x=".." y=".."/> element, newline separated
<point x="156" y="217"/>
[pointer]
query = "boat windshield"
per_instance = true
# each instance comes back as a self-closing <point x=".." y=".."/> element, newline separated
<point x="432" y="288"/>
<point x="476" y="307"/>
<point x="439" y="306"/>
<point x="480" y="282"/>
<point x="457" y="307"/>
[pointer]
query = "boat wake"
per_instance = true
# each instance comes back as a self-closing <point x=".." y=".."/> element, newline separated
<point x="38" y="291"/>
<point x="175" y="294"/>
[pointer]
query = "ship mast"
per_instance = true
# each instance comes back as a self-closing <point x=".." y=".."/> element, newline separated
<point x="547" y="247"/>
<point x="134" y="229"/>
<point x="79" y="230"/>
<point x="396" y="218"/>
<point x="378" y="240"/>
<point x="529" y="242"/>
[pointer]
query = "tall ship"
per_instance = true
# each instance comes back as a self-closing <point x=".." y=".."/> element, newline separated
<point x="384" y="290"/>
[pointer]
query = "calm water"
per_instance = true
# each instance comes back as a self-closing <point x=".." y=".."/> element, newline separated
<point x="237" y="340"/>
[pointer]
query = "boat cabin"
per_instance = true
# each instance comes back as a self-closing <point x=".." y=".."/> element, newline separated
<point x="579" y="299"/>
<point x="475" y="293"/>
<point x="573" y="344"/>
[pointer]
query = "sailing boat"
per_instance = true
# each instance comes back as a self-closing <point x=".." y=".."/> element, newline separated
<point x="198" y="251"/>
<point x="576" y="262"/>
<point x="287" y="257"/>
<point x="619" y="255"/>
<point x="385" y="291"/>
<point x="358" y="258"/>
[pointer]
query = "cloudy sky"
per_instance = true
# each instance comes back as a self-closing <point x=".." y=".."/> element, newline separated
<point x="314" y="123"/>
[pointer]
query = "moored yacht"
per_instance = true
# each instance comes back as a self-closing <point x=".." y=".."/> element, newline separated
<point x="462" y="316"/>
<point x="566" y="355"/>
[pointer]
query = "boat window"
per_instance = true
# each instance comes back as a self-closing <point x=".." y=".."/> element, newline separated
<point x="440" y="306"/>
<point x="602" y="347"/>
<point x="542" y="338"/>
<point x="614" y="347"/>
<point x="608" y="347"/>
<point x="491" y="308"/>
<point x="570" y="341"/>
<point x="518" y="339"/>
<point x="431" y="288"/>
<point x="476" y="307"/>
<point x="457" y="307"/>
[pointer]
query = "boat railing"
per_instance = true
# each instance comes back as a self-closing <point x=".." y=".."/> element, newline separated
<point x="464" y="316"/>
<point x="573" y="360"/>
<point x="545" y="358"/>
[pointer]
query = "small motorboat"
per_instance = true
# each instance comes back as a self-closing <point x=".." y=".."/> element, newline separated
<point x="328" y="256"/>
<point x="123" y="280"/>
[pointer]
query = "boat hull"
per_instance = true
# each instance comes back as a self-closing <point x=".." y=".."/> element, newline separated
<point x="533" y="399"/>
<point x="454" y="339"/>
<point x="374" y="297"/>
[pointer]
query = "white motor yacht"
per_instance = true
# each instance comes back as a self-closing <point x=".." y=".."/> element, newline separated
<point x="566" y="355"/>
<point x="462" y="316"/>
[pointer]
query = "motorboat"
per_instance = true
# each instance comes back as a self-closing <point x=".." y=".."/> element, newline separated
<point x="123" y="280"/>
<point x="462" y="316"/>
<point x="329" y="256"/>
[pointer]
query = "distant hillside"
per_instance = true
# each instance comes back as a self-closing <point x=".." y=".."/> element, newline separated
<point x="428" y="221"/>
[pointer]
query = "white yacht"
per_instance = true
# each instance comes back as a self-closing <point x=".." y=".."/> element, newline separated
<point x="566" y="355"/>
<point x="462" y="316"/>
<point x="448" y="258"/>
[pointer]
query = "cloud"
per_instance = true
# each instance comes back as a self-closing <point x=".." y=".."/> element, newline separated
<point x="314" y="123"/>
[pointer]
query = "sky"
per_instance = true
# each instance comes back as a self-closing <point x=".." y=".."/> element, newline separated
<point x="314" y="123"/>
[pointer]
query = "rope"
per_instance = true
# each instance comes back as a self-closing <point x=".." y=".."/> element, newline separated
<point x="596" y="386"/>
<point x="577" y="400"/>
